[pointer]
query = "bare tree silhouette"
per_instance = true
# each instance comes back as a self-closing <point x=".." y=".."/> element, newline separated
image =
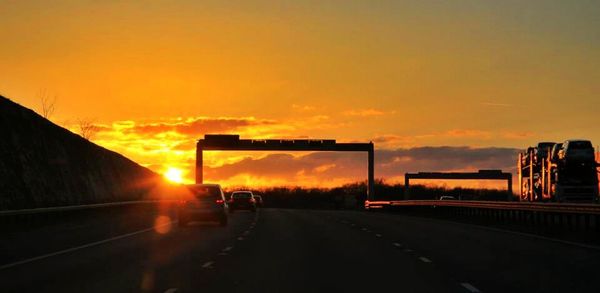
<point x="48" y="103"/>
<point x="87" y="129"/>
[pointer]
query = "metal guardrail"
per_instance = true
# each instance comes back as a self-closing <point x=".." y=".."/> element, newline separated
<point x="570" y="208"/>
<point x="78" y="207"/>
<point x="558" y="216"/>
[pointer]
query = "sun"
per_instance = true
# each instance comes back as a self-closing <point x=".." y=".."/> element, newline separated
<point x="174" y="175"/>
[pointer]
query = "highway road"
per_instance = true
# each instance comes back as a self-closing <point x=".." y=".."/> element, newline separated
<point x="278" y="250"/>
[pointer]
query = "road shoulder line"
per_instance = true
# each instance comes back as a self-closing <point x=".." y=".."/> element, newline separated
<point x="25" y="261"/>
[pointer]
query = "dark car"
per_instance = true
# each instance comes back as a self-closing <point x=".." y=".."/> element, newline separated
<point x="577" y="151"/>
<point x="447" y="197"/>
<point x="555" y="152"/>
<point x="203" y="202"/>
<point x="258" y="200"/>
<point x="242" y="200"/>
<point x="543" y="149"/>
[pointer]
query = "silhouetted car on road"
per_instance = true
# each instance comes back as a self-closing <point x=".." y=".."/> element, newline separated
<point x="258" y="200"/>
<point x="203" y="202"/>
<point x="447" y="197"/>
<point x="577" y="151"/>
<point x="242" y="200"/>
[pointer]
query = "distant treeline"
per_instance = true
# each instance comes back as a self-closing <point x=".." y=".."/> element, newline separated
<point x="354" y="195"/>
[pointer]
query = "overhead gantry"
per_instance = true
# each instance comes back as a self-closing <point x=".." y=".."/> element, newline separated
<point x="226" y="142"/>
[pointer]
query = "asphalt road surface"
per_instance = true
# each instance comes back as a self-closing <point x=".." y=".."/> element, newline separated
<point x="277" y="250"/>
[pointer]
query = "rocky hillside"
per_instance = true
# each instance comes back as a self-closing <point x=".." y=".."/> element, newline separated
<point x="43" y="164"/>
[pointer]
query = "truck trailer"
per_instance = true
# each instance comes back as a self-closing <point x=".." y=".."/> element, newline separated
<point x="558" y="172"/>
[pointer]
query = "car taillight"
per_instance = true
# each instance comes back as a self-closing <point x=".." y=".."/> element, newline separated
<point x="219" y="201"/>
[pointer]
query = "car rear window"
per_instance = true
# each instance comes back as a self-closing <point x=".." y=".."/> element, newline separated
<point x="205" y="191"/>
<point x="578" y="145"/>
<point x="242" y="195"/>
<point x="545" y="145"/>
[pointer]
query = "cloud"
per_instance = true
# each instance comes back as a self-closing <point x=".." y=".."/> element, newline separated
<point x="303" y="108"/>
<point x="460" y="133"/>
<point x="492" y="104"/>
<point x="364" y="113"/>
<point x="517" y="134"/>
<point x="444" y="159"/>
<point x="321" y="168"/>
<point x="170" y="142"/>
<point x="197" y="126"/>
<point x="393" y="140"/>
<point x="390" y="141"/>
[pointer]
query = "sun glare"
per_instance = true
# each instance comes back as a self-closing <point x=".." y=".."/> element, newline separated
<point x="174" y="175"/>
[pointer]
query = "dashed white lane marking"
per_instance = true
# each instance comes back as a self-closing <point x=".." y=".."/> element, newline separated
<point x="365" y="229"/>
<point x="408" y="250"/>
<point x="6" y="266"/>
<point x="352" y="224"/>
<point x="378" y="235"/>
<point x="397" y="244"/>
<point x="208" y="264"/>
<point x="470" y="287"/>
<point x="171" y="290"/>
<point x="223" y="253"/>
<point x="424" y="259"/>
<point x="240" y="238"/>
<point x="246" y="232"/>
<point x="228" y="248"/>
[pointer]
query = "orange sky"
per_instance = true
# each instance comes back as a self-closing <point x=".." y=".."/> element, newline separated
<point x="156" y="75"/>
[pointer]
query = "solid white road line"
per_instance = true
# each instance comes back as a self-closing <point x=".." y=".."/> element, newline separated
<point x="397" y="244"/>
<point x="378" y="235"/>
<point x="6" y="266"/>
<point x="424" y="259"/>
<point x="208" y="264"/>
<point x="470" y="287"/>
<point x="171" y="290"/>
<point x="228" y="248"/>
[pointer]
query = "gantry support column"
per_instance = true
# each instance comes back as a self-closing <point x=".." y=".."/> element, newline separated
<point x="406" y="186"/>
<point x="509" y="188"/>
<point x="199" y="163"/>
<point x="371" y="181"/>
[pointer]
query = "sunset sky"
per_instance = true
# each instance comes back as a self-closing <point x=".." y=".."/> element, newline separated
<point x="436" y="85"/>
